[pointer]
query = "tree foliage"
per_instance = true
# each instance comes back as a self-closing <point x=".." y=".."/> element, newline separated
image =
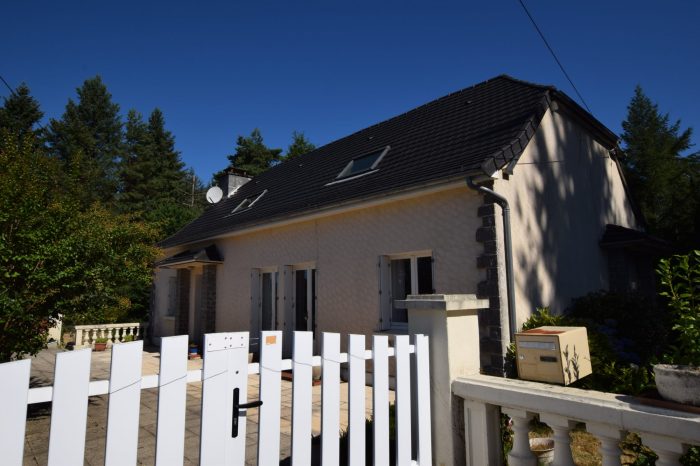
<point x="664" y="184"/>
<point x="300" y="145"/>
<point x="88" y="138"/>
<point x="21" y="113"/>
<point x="252" y="155"/>
<point x="155" y="186"/>
<point x="56" y="258"/>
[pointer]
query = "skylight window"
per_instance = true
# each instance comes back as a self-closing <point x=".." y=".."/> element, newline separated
<point x="363" y="164"/>
<point x="248" y="202"/>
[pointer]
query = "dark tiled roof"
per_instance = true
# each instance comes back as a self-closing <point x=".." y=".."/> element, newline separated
<point x="441" y="140"/>
<point x="209" y="254"/>
<point x="619" y="237"/>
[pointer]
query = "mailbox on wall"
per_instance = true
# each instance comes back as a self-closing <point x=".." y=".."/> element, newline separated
<point x="553" y="354"/>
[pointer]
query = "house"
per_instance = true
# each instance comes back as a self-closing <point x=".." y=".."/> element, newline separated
<point x="328" y="241"/>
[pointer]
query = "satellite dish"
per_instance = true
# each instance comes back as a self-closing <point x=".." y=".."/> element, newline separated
<point x="214" y="194"/>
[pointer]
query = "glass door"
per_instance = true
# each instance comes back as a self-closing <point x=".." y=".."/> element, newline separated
<point x="305" y="300"/>
<point x="268" y="301"/>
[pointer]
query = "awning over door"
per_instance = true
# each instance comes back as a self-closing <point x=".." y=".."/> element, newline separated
<point x="206" y="255"/>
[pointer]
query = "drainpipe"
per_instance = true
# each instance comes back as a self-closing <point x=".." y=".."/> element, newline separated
<point x="510" y="285"/>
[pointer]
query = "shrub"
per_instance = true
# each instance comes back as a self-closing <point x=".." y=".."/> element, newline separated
<point x="680" y="281"/>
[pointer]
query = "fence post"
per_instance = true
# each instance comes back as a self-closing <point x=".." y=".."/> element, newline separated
<point x="451" y="322"/>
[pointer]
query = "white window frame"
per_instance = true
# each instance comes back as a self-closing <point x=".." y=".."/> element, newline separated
<point x="253" y="199"/>
<point x="385" y="281"/>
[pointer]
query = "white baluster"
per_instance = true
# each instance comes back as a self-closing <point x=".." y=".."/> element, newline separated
<point x="93" y="335"/>
<point x="609" y="437"/>
<point x="562" y="442"/>
<point x="78" y="337"/>
<point x="520" y="455"/>
<point x="668" y="449"/>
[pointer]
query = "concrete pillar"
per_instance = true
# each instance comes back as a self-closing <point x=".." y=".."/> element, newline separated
<point x="452" y="325"/>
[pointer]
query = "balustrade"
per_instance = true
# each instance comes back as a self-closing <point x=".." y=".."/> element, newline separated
<point x="87" y="335"/>
<point x="609" y="417"/>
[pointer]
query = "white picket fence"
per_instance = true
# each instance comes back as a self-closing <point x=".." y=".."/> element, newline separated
<point x="225" y="377"/>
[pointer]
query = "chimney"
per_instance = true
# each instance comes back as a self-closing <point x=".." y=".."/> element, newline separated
<point x="233" y="179"/>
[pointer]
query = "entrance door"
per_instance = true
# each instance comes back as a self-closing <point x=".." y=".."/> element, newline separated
<point x="305" y="300"/>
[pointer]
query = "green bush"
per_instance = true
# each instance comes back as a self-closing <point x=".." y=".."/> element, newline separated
<point x="680" y="281"/>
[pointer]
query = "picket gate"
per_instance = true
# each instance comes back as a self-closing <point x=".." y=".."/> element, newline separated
<point x="224" y="378"/>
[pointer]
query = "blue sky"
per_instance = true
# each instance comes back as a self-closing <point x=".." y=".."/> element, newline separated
<point x="220" y="69"/>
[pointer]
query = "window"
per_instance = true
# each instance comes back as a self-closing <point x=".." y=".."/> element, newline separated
<point x="363" y="164"/>
<point x="248" y="202"/>
<point x="400" y="276"/>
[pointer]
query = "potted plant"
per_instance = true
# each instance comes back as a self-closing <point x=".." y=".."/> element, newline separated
<point x="100" y="344"/>
<point x="679" y="379"/>
<point x="193" y="351"/>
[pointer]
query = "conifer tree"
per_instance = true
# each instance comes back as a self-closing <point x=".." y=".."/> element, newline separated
<point x="252" y="155"/>
<point x="664" y="184"/>
<point x="154" y="183"/>
<point x="21" y="113"/>
<point x="300" y="145"/>
<point x="88" y="138"/>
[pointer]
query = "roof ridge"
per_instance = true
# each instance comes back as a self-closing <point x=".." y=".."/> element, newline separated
<point x="431" y="102"/>
<point x="525" y="82"/>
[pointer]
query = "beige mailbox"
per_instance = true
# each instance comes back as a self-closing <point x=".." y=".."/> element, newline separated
<point x="553" y="354"/>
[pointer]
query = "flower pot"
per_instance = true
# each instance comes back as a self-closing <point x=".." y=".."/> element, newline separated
<point x="100" y="346"/>
<point x="678" y="383"/>
<point x="543" y="448"/>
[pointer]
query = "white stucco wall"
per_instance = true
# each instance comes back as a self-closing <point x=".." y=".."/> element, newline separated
<point x="563" y="191"/>
<point x="345" y="249"/>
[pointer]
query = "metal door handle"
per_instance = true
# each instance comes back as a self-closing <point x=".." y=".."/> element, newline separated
<point x="236" y="410"/>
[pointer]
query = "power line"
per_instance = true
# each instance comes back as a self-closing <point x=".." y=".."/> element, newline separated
<point x="554" y="55"/>
<point x="12" y="91"/>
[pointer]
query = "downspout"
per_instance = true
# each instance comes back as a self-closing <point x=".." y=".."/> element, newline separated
<point x="510" y="285"/>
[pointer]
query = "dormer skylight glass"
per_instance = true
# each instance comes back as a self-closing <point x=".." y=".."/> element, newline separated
<point x="248" y="202"/>
<point x="363" y="163"/>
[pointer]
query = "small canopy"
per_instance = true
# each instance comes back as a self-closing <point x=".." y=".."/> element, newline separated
<point x="618" y="237"/>
<point x="206" y="255"/>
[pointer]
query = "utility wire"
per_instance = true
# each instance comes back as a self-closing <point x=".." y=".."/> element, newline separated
<point x="12" y="91"/>
<point x="554" y="55"/>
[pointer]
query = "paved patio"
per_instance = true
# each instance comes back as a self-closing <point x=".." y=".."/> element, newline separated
<point x="39" y="417"/>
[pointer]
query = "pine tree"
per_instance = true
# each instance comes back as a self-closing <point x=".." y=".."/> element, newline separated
<point x="21" y="113"/>
<point x="664" y="184"/>
<point x="88" y="138"/>
<point x="252" y="155"/>
<point x="299" y="146"/>
<point x="154" y="183"/>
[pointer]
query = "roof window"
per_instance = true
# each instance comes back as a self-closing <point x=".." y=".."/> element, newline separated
<point x="248" y="202"/>
<point x="363" y="164"/>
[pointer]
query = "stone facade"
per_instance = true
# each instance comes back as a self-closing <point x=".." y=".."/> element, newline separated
<point x="182" y="315"/>
<point x="490" y="328"/>
<point x="208" y="299"/>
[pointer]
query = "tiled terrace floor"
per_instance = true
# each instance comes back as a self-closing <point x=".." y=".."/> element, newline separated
<point x="39" y="419"/>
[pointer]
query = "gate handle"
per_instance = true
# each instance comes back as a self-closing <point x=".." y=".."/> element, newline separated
<point x="236" y="410"/>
